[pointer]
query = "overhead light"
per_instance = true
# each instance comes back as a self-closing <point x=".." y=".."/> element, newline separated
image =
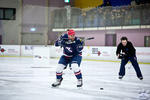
<point x="66" y="1"/>
<point x="32" y="29"/>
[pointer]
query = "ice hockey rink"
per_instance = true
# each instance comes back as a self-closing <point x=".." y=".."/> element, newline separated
<point x="22" y="79"/>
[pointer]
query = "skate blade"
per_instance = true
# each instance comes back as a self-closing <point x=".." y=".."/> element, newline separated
<point x="55" y="86"/>
<point x="80" y="87"/>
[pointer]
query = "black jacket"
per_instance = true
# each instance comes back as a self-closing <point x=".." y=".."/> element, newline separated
<point x="129" y="50"/>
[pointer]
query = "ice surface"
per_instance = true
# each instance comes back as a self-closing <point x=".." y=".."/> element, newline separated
<point x="22" y="79"/>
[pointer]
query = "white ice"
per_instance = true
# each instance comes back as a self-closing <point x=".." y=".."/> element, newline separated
<point x="22" y="79"/>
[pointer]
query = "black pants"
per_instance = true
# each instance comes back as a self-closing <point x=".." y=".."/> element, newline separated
<point x="135" y="64"/>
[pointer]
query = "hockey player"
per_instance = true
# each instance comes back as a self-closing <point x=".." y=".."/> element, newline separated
<point x="126" y="52"/>
<point x="72" y="55"/>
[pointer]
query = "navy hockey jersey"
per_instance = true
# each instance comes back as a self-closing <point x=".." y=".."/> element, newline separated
<point x="70" y="48"/>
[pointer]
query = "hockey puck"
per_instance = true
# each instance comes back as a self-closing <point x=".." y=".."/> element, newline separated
<point x="101" y="88"/>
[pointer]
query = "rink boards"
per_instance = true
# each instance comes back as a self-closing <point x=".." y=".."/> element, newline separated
<point x="89" y="52"/>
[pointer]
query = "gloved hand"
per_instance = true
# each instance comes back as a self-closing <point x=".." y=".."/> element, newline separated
<point x="59" y="43"/>
<point x="122" y="56"/>
<point x="79" y="47"/>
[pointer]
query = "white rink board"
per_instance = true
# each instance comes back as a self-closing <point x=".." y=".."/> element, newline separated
<point x="89" y="52"/>
<point x="143" y="54"/>
<point x="26" y="50"/>
<point x="106" y="53"/>
<point x="10" y="50"/>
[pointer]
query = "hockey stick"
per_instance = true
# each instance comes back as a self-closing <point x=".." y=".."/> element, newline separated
<point x="90" y="38"/>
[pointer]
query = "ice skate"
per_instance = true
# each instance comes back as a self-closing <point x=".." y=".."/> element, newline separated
<point x="79" y="83"/>
<point x="120" y="77"/>
<point x="141" y="78"/>
<point x="57" y="83"/>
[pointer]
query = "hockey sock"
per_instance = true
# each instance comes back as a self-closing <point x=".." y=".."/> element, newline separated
<point x="78" y="75"/>
<point x="59" y="75"/>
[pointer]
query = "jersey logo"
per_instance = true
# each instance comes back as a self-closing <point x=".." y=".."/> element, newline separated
<point x="69" y="49"/>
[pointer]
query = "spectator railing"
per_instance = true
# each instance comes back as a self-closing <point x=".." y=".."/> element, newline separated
<point x="102" y="17"/>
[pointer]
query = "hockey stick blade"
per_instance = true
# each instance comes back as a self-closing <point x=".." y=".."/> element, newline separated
<point x="89" y="38"/>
